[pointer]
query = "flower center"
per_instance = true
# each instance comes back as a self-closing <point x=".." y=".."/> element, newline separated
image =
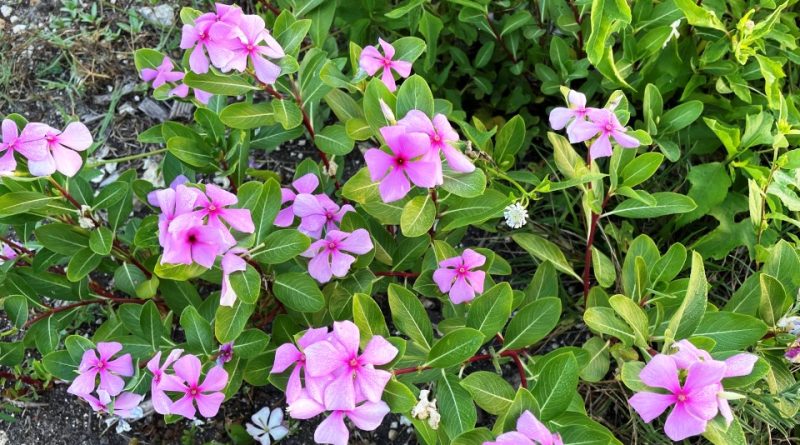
<point x="192" y="238"/>
<point x="681" y="397"/>
<point x="609" y="127"/>
<point x="387" y="62"/>
<point x="353" y="362"/>
<point x="212" y="208"/>
<point x="462" y="270"/>
<point x="250" y="47"/>
<point x="194" y="391"/>
<point x="101" y="365"/>
<point x="399" y="162"/>
<point x="437" y="138"/>
<point x="329" y="216"/>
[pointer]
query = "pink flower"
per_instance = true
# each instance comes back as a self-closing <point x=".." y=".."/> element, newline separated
<point x="457" y="276"/>
<point x="354" y="376"/>
<point x="208" y="38"/>
<point x="31" y="144"/>
<point x="123" y="405"/>
<point x="225" y="353"/>
<point x="561" y="117"/>
<point x="604" y="124"/>
<point x="160" y="400"/>
<point x="163" y="74"/>
<point x="231" y="262"/>
<point x="328" y="257"/>
<point x="247" y="38"/>
<point x="695" y="401"/>
<point x="206" y="395"/>
<point x="108" y="369"/>
<point x="305" y="184"/>
<point x="288" y="354"/>
<point x="182" y="90"/>
<point x="530" y="431"/>
<point x="442" y="140"/>
<point x="7" y="252"/>
<point x="318" y="212"/>
<point x="405" y="162"/>
<point x="191" y="241"/>
<point x="174" y="201"/>
<point x="367" y="416"/>
<point x="62" y="148"/>
<point x="213" y="204"/>
<point x="372" y="61"/>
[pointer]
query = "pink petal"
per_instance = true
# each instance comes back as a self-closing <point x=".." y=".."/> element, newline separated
<point x="372" y="381"/>
<point x="312" y="336"/>
<point x="582" y="130"/>
<point x="688" y="354"/>
<point x="650" y="405"/>
<point x="76" y="137"/>
<point x="306" y="205"/>
<point x="322" y="358"/>
<point x="472" y="259"/>
<point x="10" y="131"/>
<point x="348" y="335"/>
<point x="188" y="368"/>
<point x="388" y="79"/>
<point x="67" y="161"/>
<point x="340" y="394"/>
<point x="148" y="74"/>
<point x="370" y="60"/>
<point x="725" y="410"/>
<point x="171" y="383"/>
<point x="232" y="263"/>
<point x="127" y="401"/>
<point x="306" y="183"/>
<point x="444" y="129"/>
<point x="378" y="163"/>
<point x="198" y="62"/>
<point x="413" y="145"/>
<point x="111" y="383"/>
<point x="209" y="404"/>
<point x="444" y="278"/>
<point x="388" y="49"/>
<point x="401" y="67"/>
<point x="305" y="408"/>
<point x="422" y="174"/>
<point x="181" y="91"/>
<point x="559" y="117"/>
<point x="395" y="186"/>
<point x="44" y="167"/>
<point x="216" y="380"/>
<point x="625" y="140"/>
<point x="392" y="134"/>
<point x="457" y="160"/>
<point x="107" y="349"/>
<point x="294" y="387"/>
<point x="332" y="430"/>
<point x="320" y="267"/>
<point x="369" y="415"/>
<point x="161" y="402"/>
<point x="219" y="196"/>
<point x="83" y="384"/>
<point x="154" y="364"/>
<point x="358" y="242"/>
<point x="285" y="217"/>
<point x="340" y="263"/>
<point x="378" y="351"/>
<point x="661" y="372"/>
<point x="7" y="162"/>
<point x="680" y="424"/>
<point x="286" y="355"/>
<point x="239" y="219"/>
<point x="266" y="71"/>
<point x="600" y="148"/>
<point x="476" y="279"/>
<point x="740" y="364"/>
<point x="702" y="374"/>
<point x="273" y="48"/>
<point x="188" y="37"/>
<point x="531" y="427"/>
<point x="202" y="96"/>
<point x="703" y="403"/>
<point x="183" y="407"/>
<point x="417" y="121"/>
<point x="576" y="99"/>
<point x="461" y="291"/>
<point x="122" y="366"/>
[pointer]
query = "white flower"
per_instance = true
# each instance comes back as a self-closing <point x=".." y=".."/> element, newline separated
<point x="516" y="216"/>
<point x="426" y="409"/>
<point x="267" y="424"/>
<point x="673" y="34"/>
<point x="790" y="324"/>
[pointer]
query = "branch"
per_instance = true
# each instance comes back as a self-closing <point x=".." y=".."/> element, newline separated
<point x="587" y="258"/>
<point x="56" y="310"/>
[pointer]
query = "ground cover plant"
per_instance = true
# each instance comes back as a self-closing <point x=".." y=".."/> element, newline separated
<point x="520" y="222"/>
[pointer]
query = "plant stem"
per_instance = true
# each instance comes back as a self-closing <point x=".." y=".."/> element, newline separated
<point x="512" y="353"/>
<point x="127" y="158"/>
<point x="56" y="310"/>
<point x="587" y="265"/>
<point x="397" y="274"/>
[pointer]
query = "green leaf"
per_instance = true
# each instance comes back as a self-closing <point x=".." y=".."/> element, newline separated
<point x="465" y="185"/>
<point x="334" y="140"/>
<point x="246" y="284"/>
<point x="224" y="85"/>
<point x="229" y="322"/>
<point x="414" y="94"/>
<point x="282" y="246"/>
<point x="718" y="433"/>
<point x="544" y="250"/>
<point x="532" y="323"/>
<point x="634" y="316"/>
<point x="490" y="391"/>
<point x="14" y="203"/>
<point x="641" y="168"/>
<point x="178" y="272"/>
<point x="264" y="202"/>
<point x="191" y="151"/>
<point x="409" y="316"/>
<point x="179" y="294"/>
<point x="101" y="241"/>
<point x="557" y="382"/>
<point x="454" y="348"/>
<point x="399" y="397"/>
<point x="731" y="331"/>
<point x="77" y="345"/>
<point x="151" y="325"/>
<point x="287" y="113"/>
<point x="62" y="238"/>
<point x="299" y="292"/>
<point x="508" y="142"/>
<point x="489" y="312"/>
<point x="368" y="317"/>
<point x="774" y="303"/>
<point x="245" y="116"/>
<point x="604" y="321"/>
<point x="147" y="58"/>
<point x="455" y="405"/>
<point x="418" y="216"/>
<point x="680" y="117"/>
<point x="472" y="211"/>
<point x="603" y="268"/>
<point x="61" y="365"/>
<point x="82" y="262"/>
<point x="699" y="16"/>
<point x="599" y="360"/>
<point x="16" y="306"/>
<point x="250" y="343"/>
<point x="408" y="48"/>
<point x="667" y="203"/>
<point x="690" y="313"/>
<point x="198" y="331"/>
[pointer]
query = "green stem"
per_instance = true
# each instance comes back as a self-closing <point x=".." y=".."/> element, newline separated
<point x="127" y="158"/>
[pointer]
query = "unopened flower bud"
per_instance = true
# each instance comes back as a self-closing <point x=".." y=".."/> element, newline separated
<point x="387" y="112"/>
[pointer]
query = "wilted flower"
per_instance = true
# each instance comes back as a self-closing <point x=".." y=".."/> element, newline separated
<point x="372" y="61"/>
<point x="793" y="352"/>
<point x="123" y="405"/>
<point x="425" y="409"/>
<point x="458" y="277"/>
<point x="673" y="33"/>
<point x="329" y="255"/>
<point x="516" y="215"/>
<point x="231" y="262"/>
<point x="790" y="324"/>
<point x="7" y="252"/>
<point x="267" y="425"/>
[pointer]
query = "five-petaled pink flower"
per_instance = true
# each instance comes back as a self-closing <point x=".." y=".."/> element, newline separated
<point x="288" y="354"/>
<point x="247" y="45"/>
<point x="62" y="150"/>
<point x="109" y="370"/>
<point x="318" y="212"/>
<point x="305" y="184"/>
<point x="367" y="416"/>
<point x="695" y="401"/>
<point x="442" y="141"/>
<point x="209" y="37"/>
<point x="604" y="124"/>
<point x="458" y="276"/>
<point x="186" y="380"/>
<point x="160" y="400"/>
<point x="191" y="241"/>
<point x="406" y="161"/>
<point x="354" y="375"/>
<point x="561" y="117"/>
<point x="162" y="74"/>
<point x="372" y="61"/>
<point x="30" y="143"/>
<point x="174" y="201"/>
<point x="7" y="252"/>
<point x="328" y="257"/>
<point x="530" y="431"/>
<point x="122" y="405"/>
<point x="214" y="205"/>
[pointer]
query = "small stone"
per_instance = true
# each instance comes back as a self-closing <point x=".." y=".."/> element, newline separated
<point x="392" y="435"/>
<point x="393" y="425"/>
<point x="2" y="24"/>
<point x="14" y="19"/>
<point x="301" y="142"/>
<point x="161" y="15"/>
<point x="6" y="10"/>
<point x="18" y="29"/>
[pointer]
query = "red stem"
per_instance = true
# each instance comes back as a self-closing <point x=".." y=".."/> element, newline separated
<point x="476" y="358"/>
<point x="56" y="310"/>
<point x="23" y="378"/>
<point x="18" y="247"/>
<point x="587" y="265"/>
<point x="397" y="274"/>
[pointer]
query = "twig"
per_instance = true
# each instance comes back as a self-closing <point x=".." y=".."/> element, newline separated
<point x="587" y="266"/>
<point x="18" y="247"/>
<point x="512" y="353"/>
<point x="56" y="310"/>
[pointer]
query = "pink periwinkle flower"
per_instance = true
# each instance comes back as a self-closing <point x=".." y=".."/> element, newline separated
<point x="288" y="354"/>
<point x="209" y="38"/>
<point x="318" y="212"/>
<point x="31" y="144"/>
<point x="372" y="61"/>
<point x="561" y="117"/>
<point x="160" y="400"/>
<point x="62" y="150"/>
<point x="530" y="431"/>
<point x="191" y="241"/>
<point x="182" y="91"/>
<point x="214" y="205"/>
<point x="174" y="201"/>
<point x="366" y="416"/>
<point x="793" y="352"/>
<point x="442" y="141"/>
<point x="252" y="41"/>
<point x="123" y="405"/>
<point x="7" y="252"/>
<point x="354" y="375"/>
<point x="459" y="278"/>
<point x="163" y="74"/>
<point x="329" y="257"/>
<point x="604" y="124"/>
<point x="231" y="262"/>
<point x="695" y="401"/>
<point x="305" y="184"/>
<point x="100" y="362"/>
<point x="207" y="395"/>
<point x="406" y="161"/>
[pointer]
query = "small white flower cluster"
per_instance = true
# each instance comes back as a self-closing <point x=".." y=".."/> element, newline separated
<point x="426" y="409"/>
<point x="516" y="216"/>
<point x="673" y="34"/>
